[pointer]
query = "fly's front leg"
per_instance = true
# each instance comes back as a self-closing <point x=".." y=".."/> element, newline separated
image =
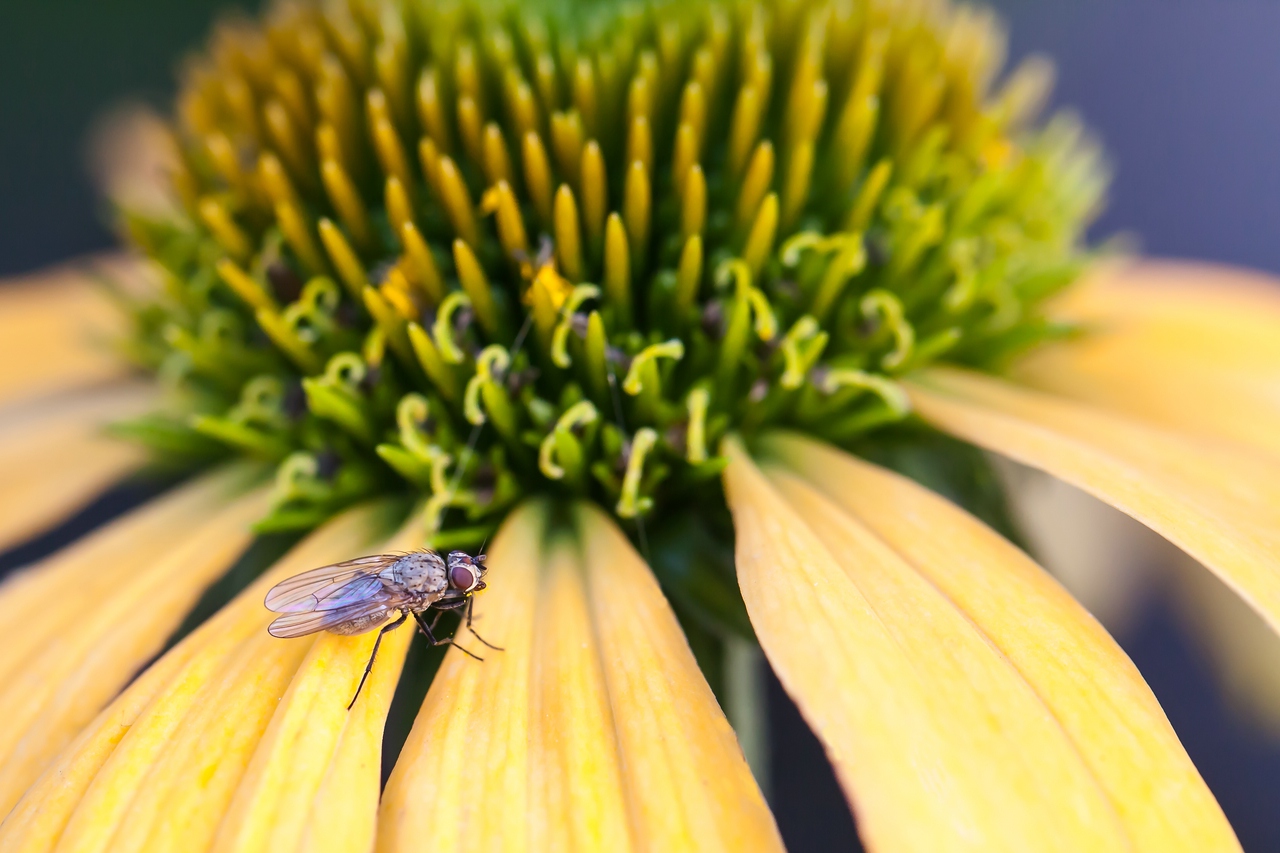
<point x="471" y="602"/>
<point x="431" y="637"/>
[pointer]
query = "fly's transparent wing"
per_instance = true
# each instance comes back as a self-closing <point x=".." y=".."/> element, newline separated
<point x="352" y="619"/>
<point x="330" y="586"/>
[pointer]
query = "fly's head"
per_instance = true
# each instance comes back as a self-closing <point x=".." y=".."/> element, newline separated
<point x="466" y="573"/>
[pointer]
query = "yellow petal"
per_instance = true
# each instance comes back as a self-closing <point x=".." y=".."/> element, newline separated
<point x="55" y="457"/>
<point x="60" y="686"/>
<point x="1199" y="400"/>
<point x="37" y="821"/>
<point x="941" y="745"/>
<point x="462" y="778"/>
<point x="53" y="327"/>
<point x="1189" y="348"/>
<point x="1088" y="683"/>
<point x="1220" y="506"/>
<point x="1189" y="313"/>
<point x="47" y="600"/>
<point x="167" y="782"/>
<point x="695" y="792"/>
<point x="292" y="787"/>
<point x="343" y="813"/>
<point x="594" y="730"/>
<point x="573" y="746"/>
<point x="133" y="156"/>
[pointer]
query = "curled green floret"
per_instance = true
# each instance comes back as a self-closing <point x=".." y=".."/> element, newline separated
<point x="481" y="250"/>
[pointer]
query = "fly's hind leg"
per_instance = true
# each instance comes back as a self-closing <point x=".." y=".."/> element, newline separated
<point x="429" y="633"/>
<point x="390" y="626"/>
<point x="471" y="606"/>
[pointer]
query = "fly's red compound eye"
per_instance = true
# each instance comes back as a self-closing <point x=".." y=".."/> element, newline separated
<point x="463" y="578"/>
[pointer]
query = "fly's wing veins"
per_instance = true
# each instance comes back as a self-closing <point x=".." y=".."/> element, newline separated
<point x="362" y="616"/>
<point x="330" y="587"/>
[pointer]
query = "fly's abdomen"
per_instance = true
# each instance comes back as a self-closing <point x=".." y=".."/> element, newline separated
<point x="361" y="624"/>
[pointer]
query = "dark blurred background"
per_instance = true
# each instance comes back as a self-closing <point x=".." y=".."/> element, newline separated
<point x="1182" y="93"/>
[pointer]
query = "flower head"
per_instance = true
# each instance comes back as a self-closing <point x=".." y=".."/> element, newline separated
<point x="617" y="284"/>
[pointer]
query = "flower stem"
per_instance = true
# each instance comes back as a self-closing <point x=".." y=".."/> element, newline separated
<point x="746" y="705"/>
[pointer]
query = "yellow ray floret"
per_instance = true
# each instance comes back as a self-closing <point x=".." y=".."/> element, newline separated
<point x="1085" y="679"/>
<point x="595" y="720"/>
<point x="55" y="458"/>
<point x="169" y="780"/>
<point x="939" y="742"/>
<point x="54" y="328"/>
<point x="1220" y="505"/>
<point x="1188" y="348"/>
<point x="119" y="609"/>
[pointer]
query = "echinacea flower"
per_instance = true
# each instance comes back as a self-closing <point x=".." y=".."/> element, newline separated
<point x="656" y="295"/>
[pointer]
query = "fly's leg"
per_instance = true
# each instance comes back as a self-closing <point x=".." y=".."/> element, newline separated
<point x="390" y="626"/>
<point x="431" y="637"/>
<point x="471" y="606"/>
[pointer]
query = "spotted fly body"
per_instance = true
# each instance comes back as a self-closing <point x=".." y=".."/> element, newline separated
<point x="384" y="590"/>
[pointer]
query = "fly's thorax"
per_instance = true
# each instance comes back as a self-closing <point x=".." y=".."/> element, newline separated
<point x="423" y="573"/>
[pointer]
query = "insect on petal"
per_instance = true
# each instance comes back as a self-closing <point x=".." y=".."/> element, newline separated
<point x="595" y="719"/>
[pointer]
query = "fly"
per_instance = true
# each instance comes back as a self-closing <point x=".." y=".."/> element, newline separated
<point x="359" y="595"/>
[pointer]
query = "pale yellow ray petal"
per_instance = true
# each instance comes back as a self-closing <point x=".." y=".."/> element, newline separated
<point x="37" y="821"/>
<point x="1185" y="346"/>
<point x="1128" y="377"/>
<point x="176" y="767"/>
<point x="686" y="778"/>
<point x="462" y="780"/>
<point x="940" y="745"/>
<point x="1028" y="767"/>
<point x="290" y="780"/>
<point x="55" y="457"/>
<point x="1190" y="313"/>
<point x="58" y="690"/>
<point x="47" y="600"/>
<point x="1220" y="506"/>
<point x="52" y="330"/>
<point x="185" y="792"/>
<point x="572" y="746"/>
<point x="1093" y="689"/>
<point x="593" y="730"/>
<point x="343" y="814"/>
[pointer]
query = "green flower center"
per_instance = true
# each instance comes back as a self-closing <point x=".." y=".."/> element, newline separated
<point x="481" y="251"/>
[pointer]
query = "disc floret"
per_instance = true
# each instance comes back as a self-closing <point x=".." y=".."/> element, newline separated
<point x="595" y="238"/>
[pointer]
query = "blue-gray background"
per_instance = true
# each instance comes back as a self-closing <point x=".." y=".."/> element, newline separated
<point x="1182" y="92"/>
